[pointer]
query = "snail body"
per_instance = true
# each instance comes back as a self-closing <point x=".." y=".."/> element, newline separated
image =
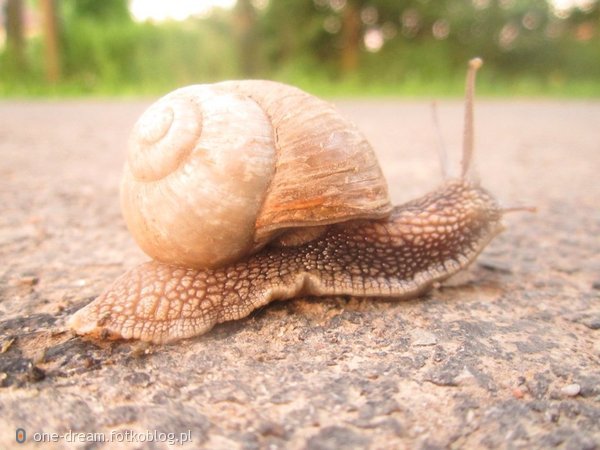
<point x="318" y="220"/>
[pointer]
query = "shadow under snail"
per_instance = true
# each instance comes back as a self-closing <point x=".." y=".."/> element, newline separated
<point x="245" y="192"/>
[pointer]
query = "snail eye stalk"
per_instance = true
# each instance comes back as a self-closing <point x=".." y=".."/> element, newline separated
<point x="467" y="157"/>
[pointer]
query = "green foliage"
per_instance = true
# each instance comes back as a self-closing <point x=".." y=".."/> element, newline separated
<point x="100" y="11"/>
<point x="527" y="49"/>
<point x="144" y="56"/>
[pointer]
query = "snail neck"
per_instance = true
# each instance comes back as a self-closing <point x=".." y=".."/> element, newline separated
<point x="457" y="217"/>
<point x="429" y="238"/>
<point x="461" y="202"/>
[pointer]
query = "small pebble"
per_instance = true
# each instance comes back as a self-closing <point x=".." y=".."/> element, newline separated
<point x="470" y="416"/>
<point x="5" y="345"/>
<point x="35" y="374"/>
<point x="518" y="393"/>
<point x="552" y="415"/>
<point x="571" y="390"/>
<point x="495" y="266"/>
<point x="465" y="377"/>
<point x="423" y="338"/>
<point x="272" y="429"/>
<point x="28" y="280"/>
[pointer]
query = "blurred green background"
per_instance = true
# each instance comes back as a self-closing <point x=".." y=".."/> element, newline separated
<point x="329" y="47"/>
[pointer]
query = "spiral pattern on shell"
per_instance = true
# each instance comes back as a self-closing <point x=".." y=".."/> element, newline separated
<point x="214" y="172"/>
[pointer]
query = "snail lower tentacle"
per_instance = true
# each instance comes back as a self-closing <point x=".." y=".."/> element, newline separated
<point x="423" y="241"/>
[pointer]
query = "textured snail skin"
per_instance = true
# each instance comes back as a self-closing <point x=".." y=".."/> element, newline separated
<point x="422" y="242"/>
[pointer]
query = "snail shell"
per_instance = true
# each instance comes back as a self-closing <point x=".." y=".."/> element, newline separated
<point x="214" y="172"/>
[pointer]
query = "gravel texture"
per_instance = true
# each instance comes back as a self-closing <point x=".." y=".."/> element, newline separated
<point x="506" y="356"/>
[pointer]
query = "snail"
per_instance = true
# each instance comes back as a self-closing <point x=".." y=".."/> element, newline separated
<point x="245" y="192"/>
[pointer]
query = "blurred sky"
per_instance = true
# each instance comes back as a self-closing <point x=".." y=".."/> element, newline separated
<point x="160" y="10"/>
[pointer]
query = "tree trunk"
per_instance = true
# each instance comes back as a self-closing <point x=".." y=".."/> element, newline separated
<point x="15" y="41"/>
<point x="351" y="27"/>
<point x="245" y="27"/>
<point x="51" y="47"/>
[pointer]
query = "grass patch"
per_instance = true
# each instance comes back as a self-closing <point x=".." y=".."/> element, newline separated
<point x="411" y="87"/>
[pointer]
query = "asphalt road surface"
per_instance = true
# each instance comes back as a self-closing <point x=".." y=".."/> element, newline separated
<point x="507" y="356"/>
